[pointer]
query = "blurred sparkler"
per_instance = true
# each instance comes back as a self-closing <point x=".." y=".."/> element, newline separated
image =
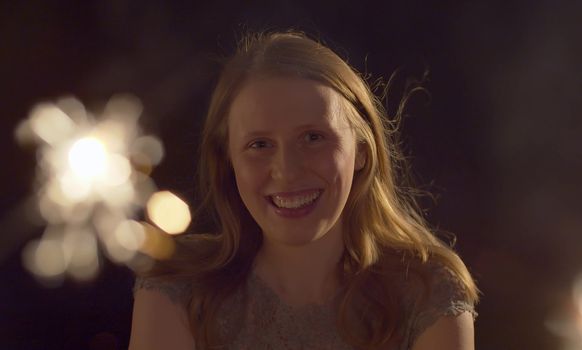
<point x="92" y="180"/>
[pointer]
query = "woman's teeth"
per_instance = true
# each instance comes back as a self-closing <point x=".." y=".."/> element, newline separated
<point x="296" y="201"/>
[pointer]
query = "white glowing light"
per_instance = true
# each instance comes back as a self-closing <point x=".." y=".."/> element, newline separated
<point x="130" y="235"/>
<point x="145" y="188"/>
<point x="50" y="123"/>
<point x="79" y="247"/>
<point x="81" y="254"/>
<point x="88" y="158"/>
<point x="88" y="186"/>
<point x="123" y="107"/>
<point x="118" y="170"/>
<point x="147" y="150"/>
<point x="116" y="251"/>
<point x="119" y="198"/>
<point x="45" y="258"/>
<point x="75" y="188"/>
<point x="169" y="212"/>
<point x="73" y="108"/>
<point x="116" y="134"/>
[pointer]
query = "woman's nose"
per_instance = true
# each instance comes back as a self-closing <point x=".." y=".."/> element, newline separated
<point x="287" y="165"/>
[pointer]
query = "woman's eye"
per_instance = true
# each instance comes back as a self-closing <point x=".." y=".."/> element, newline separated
<point x="313" y="136"/>
<point x="259" y="144"/>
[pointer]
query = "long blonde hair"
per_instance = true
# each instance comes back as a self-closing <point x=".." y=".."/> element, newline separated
<point x="382" y="219"/>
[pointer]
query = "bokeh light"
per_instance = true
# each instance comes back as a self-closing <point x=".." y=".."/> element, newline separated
<point x="567" y="323"/>
<point x="81" y="253"/>
<point x="50" y="123"/>
<point x="130" y="235"/>
<point x="169" y="212"/>
<point x="93" y="180"/>
<point x="157" y="243"/>
<point x="88" y="158"/>
<point x="45" y="258"/>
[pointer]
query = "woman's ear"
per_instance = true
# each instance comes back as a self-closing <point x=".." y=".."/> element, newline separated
<point x="360" y="156"/>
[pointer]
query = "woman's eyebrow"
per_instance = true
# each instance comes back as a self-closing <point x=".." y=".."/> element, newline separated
<point x="267" y="132"/>
<point x="312" y="126"/>
<point x="256" y="133"/>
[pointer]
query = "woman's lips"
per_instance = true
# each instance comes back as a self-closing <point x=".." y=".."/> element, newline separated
<point x="290" y="204"/>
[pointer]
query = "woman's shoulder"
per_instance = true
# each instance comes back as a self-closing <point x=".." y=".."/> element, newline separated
<point x="445" y="290"/>
<point x="177" y="290"/>
<point x="174" y="277"/>
<point x="434" y="291"/>
<point x="429" y="282"/>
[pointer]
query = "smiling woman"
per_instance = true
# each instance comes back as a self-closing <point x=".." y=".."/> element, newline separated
<point x="314" y="245"/>
<point x="293" y="154"/>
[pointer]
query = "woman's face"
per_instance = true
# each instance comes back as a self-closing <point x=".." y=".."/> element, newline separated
<point x="294" y="156"/>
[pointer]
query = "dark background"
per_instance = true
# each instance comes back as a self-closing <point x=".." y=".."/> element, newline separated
<point x="500" y="144"/>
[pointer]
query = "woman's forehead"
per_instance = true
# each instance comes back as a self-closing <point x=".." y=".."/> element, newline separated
<point x="285" y="102"/>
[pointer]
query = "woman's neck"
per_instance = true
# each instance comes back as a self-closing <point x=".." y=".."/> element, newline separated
<point x="301" y="275"/>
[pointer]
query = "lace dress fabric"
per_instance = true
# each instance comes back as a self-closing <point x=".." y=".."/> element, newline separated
<point x="256" y="318"/>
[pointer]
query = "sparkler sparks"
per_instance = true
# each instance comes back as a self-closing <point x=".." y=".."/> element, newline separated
<point x="93" y="178"/>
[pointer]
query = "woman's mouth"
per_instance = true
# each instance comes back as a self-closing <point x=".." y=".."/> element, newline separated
<point x="295" y="204"/>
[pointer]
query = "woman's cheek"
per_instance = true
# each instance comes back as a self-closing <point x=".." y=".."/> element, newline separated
<point x="329" y="163"/>
<point x="254" y="171"/>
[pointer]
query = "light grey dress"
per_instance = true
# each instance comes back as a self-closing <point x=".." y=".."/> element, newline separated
<point x="256" y="318"/>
